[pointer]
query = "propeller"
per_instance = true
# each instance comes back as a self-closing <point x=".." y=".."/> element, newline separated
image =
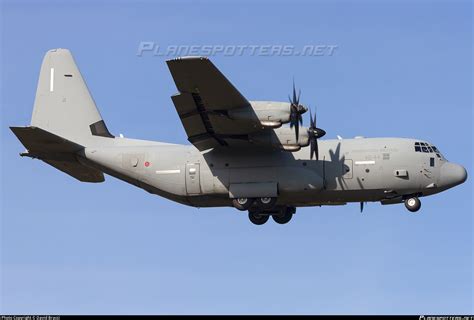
<point x="296" y="111"/>
<point x="314" y="134"/>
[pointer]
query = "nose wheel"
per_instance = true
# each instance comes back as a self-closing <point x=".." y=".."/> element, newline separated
<point x="413" y="204"/>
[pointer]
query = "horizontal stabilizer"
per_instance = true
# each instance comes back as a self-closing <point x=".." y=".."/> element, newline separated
<point x="40" y="141"/>
<point x="77" y="170"/>
<point x="57" y="152"/>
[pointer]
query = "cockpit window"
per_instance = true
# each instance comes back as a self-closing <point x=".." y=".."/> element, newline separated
<point x="425" y="147"/>
<point x="417" y="147"/>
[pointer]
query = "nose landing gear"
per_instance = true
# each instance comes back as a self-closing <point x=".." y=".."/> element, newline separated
<point x="413" y="204"/>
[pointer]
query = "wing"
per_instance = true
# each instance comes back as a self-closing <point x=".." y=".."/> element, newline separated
<point x="204" y="101"/>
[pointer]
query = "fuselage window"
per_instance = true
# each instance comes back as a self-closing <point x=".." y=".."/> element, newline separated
<point x="432" y="162"/>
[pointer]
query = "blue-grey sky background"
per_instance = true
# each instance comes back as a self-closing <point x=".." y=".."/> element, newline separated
<point x="401" y="69"/>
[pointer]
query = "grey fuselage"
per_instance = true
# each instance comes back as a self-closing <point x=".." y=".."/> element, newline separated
<point x="240" y="152"/>
<point x="348" y="170"/>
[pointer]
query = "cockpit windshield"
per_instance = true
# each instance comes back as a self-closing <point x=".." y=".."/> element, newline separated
<point x="427" y="148"/>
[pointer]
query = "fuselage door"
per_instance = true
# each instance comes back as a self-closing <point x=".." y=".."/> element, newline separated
<point x="193" y="184"/>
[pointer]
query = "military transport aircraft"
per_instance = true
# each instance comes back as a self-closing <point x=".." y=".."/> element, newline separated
<point x="241" y="156"/>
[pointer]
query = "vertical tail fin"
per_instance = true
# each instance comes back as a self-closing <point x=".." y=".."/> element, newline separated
<point x="63" y="104"/>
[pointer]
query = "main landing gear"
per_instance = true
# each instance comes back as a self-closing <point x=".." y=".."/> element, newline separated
<point x="281" y="216"/>
<point x="244" y="204"/>
<point x="260" y="210"/>
<point x="284" y="216"/>
<point x="258" y="218"/>
<point x="413" y="204"/>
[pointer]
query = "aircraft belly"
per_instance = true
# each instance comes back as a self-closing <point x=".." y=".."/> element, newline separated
<point x="289" y="179"/>
<point x="168" y="179"/>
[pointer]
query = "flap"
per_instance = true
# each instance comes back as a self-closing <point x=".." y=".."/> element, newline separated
<point x="204" y="100"/>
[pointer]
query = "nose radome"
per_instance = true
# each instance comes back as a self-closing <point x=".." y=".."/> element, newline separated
<point x="452" y="174"/>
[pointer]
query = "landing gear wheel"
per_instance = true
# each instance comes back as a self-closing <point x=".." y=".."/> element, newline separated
<point x="242" y="204"/>
<point x="266" y="203"/>
<point x="257" y="218"/>
<point x="413" y="204"/>
<point x="284" y="217"/>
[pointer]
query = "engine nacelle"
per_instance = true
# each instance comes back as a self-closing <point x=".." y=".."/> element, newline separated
<point x="270" y="114"/>
<point x="281" y="138"/>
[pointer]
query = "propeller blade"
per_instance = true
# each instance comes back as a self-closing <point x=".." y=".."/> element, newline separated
<point x="296" y="111"/>
<point x="314" y="121"/>
<point x="313" y="136"/>
<point x="297" y="130"/>
<point x="294" y="93"/>
<point x="316" y="149"/>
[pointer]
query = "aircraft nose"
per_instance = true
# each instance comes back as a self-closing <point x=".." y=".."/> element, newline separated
<point x="452" y="174"/>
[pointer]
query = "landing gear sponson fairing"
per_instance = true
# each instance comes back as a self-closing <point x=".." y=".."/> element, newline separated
<point x="241" y="156"/>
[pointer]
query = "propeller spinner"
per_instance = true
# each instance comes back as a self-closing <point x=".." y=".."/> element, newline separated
<point x="296" y="111"/>
<point x="314" y="134"/>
